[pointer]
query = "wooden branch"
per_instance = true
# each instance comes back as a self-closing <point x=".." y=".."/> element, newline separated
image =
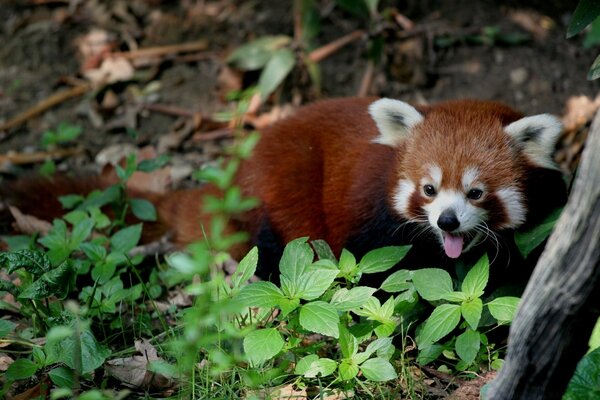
<point x="330" y="48"/>
<point x="161" y="51"/>
<point x="560" y="306"/>
<point x="39" y="156"/>
<point x="44" y="105"/>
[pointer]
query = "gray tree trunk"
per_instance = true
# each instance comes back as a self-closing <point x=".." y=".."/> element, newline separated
<point x="561" y="303"/>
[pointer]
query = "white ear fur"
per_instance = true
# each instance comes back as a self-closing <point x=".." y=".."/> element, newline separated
<point x="537" y="136"/>
<point x="394" y="119"/>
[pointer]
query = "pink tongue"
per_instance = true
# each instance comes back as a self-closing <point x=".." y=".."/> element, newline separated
<point x="453" y="245"/>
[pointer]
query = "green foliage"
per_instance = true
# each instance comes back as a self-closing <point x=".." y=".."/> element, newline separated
<point x="585" y="383"/>
<point x="64" y="133"/>
<point x="529" y="240"/>
<point x="586" y="13"/>
<point x="436" y="285"/>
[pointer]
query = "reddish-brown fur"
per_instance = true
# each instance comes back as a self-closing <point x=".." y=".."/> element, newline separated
<point x="319" y="174"/>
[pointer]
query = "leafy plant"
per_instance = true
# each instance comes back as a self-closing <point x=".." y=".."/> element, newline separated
<point x="587" y="13"/>
<point x="310" y="300"/>
<point x="466" y="305"/>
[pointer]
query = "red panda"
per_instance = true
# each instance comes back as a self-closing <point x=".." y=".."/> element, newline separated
<point x="362" y="173"/>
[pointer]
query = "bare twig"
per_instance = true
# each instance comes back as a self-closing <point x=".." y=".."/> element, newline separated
<point x="161" y="51"/>
<point x="212" y="135"/>
<point x="31" y="158"/>
<point x="325" y="51"/>
<point x="169" y="110"/>
<point x="44" y="105"/>
<point x="367" y="79"/>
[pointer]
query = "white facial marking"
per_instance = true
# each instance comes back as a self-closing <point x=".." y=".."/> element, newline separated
<point x="435" y="173"/>
<point x="468" y="215"/>
<point x="402" y="195"/>
<point x="469" y="177"/>
<point x="512" y="198"/>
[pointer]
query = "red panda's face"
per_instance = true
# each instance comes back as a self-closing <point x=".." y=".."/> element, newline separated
<point x="461" y="168"/>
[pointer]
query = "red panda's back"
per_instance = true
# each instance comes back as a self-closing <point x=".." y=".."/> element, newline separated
<point x="303" y="168"/>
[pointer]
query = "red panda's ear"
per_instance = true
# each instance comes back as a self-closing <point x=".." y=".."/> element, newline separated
<point x="537" y="136"/>
<point x="395" y="120"/>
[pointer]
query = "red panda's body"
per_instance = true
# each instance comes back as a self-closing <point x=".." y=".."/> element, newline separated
<point x="362" y="173"/>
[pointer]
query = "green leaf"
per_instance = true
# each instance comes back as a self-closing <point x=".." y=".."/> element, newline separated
<point x="467" y="345"/>
<point x="382" y="259"/>
<point x="278" y="67"/>
<point x="246" y="268"/>
<point x="56" y="282"/>
<point x="477" y="278"/>
<point x="143" y="209"/>
<point x="346" y="300"/>
<point x="6" y="327"/>
<point x="321" y="366"/>
<point x="592" y="37"/>
<point x="260" y="294"/>
<point x="594" y="338"/>
<point x="81" y="232"/>
<point x="471" y="312"/>
<point x="320" y="317"/>
<point x="93" y="251"/>
<point x="432" y="283"/>
<point x="585" y="383"/>
<point x="397" y="282"/>
<point x="256" y="54"/>
<point x="429" y="353"/>
<point x="103" y="271"/>
<point x="323" y="250"/>
<point x="21" y="369"/>
<point x="34" y="261"/>
<point x="528" y="240"/>
<point x="317" y="279"/>
<point x="126" y="239"/>
<point x="262" y="345"/>
<point x="71" y="200"/>
<point x="594" y="71"/>
<point x="586" y="12"/>
<point x="456" y="297"/>
<point x="441" y="322"/>
<point x="504" y="308"/>
<point x="348" y="342"/>
<point x="347" y="263"/>
<point x="382" y="344"/>
<point x="378" y="370"/>
<point x="82" y="353"/>
<point x="153" y="164"/>
<point x="304" y="364"/>
<point x="62" y="377"/>
<point x="347" y="370"/>
<point x="297" y="257"/>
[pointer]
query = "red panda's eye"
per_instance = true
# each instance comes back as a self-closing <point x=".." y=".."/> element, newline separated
<point x="474" y="194"/>
<point x="429" y="190"/>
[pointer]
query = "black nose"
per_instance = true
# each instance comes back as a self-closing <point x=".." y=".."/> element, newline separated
<point x="448" y="221"/>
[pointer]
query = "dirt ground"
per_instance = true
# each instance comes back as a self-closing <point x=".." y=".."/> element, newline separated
<point x="444" y="59"/>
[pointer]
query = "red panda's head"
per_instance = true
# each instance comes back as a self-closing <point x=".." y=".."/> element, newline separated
<point x="462" y="165"/>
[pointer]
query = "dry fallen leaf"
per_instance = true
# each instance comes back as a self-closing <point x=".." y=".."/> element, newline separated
<point x="5" y="362"/>
<point x="579" y="110"/>
<point x="288" y="392"/>
<point x="133" y="371"/>
<point x="28" y="224"/>
<point x="92" y="48"/>
<point x="533" y="22"/>
<point x="112" y="69"/>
